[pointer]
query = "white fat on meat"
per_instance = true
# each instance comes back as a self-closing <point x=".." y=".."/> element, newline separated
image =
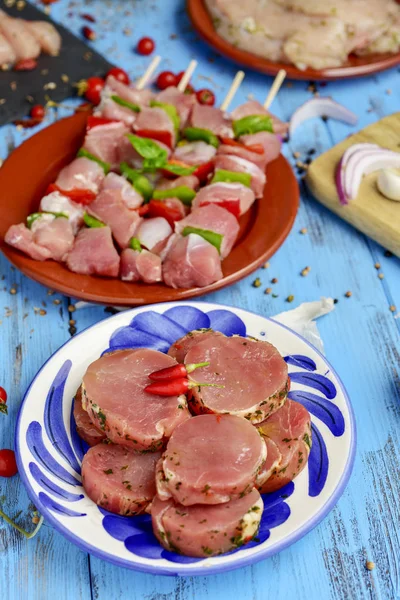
<point x="213" y="218"/>
<point x="153" y="232"/>
<point x="131" y="198"/>
<point x="183" y="103"/>
<point x="190" y="261"/>
<point x="94" y="253"/>
<point x="57" y="203"/>
<point x="140" y="266"/>
<point x="83" y="174"/>
<point x="190" y="181"/>
<point x="195" y="153"/>
<point x="220" y="192"/>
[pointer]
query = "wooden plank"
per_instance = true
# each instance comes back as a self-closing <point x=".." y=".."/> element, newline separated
<point x="370" y="212"/>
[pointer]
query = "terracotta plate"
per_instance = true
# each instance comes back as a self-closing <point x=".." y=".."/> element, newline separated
<point x="356" y="66"/>
<point x="26" y="174"/>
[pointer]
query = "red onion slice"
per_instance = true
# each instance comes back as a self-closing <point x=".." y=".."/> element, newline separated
<point x="321" y="107"/>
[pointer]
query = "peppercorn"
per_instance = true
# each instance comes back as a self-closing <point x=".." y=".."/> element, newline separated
<point x="268" y="291"/>
<point x="381" y="275"/>
<point x="257" y="282"/>
<point x="392" y="308"/>
<point x="274" y="280"/>
<point x="303" y="231"/>
<point x="290" y="298"/>
<point x="348" y="294"/>
<point x="370" y="565"/>
<point x="377" y="265"/>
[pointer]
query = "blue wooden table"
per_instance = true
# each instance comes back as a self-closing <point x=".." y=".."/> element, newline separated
<point x="361" y="339"/>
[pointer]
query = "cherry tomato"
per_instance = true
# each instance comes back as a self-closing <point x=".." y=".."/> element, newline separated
<point x="205" y="97"/>
<point x="119" y="74"/>
<point x="93" y="89"/>
<point x="189" y="89"/>
<point x="145" y="46"/>
<point x="166" y="79"/>
<point x="3" y="396"/>
<point x="38" y="112"/>
<point x="88" y="33"/>
<point x="179" y="76"/>
<point x="8" y="465"/>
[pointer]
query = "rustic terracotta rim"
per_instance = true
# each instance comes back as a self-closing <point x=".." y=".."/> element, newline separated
<point x="355" y="67"/>
<point x="26" y="174"/>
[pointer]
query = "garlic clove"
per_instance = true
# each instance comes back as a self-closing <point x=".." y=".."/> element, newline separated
<point x="389" y="184"/>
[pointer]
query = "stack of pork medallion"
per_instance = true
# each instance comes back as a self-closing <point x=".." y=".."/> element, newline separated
<point x="196" y="461"/>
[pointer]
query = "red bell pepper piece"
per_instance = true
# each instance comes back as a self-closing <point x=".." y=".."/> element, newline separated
<point x="232" y="206"/>
<point x="143" y="210"/>
<point x="257" y="148"/>
<point x="203" y="171"/>
<point x="84" y="197"/>
<point x="157" y="208"/>
<point x="164" y="137"/>
<point x="96" y="121"/>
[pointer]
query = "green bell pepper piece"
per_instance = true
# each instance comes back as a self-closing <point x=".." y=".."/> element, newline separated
<point x="171" y="111"/>
<point x="126" y="103"/>
<point x="106" y="166"/>
<point x="183" y="192"/>
<point x="34" y="216"/>
<point x="231" y="177"/>
<point x="178" y="169"/>
<point x="135" y="244"/>
<point x="210" y="236"/>
<point x="92" y="221"/>
<point x="252" y="124"/>
<point x="139" y="181"/>
<point x="194" y="134"/>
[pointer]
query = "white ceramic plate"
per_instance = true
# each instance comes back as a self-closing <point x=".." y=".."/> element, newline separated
<point x="49" y="452"/>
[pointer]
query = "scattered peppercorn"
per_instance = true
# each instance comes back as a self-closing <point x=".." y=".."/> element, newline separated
<point x="290" y="298"/>
<point x="274" y="280"/>
<point x="71" y="308"/>
<point x="304" y="272"/>
<point x="296" y="154"/>
<point x="370" y="565"/>
<point x="13" y="291"/>
<point x="377" y="265"/>
<point x="42" y="312"/>
<point x="72" y="322"/>
<point x="303" y="231"/>
<point x="257" y="282"/>
<point x="57" y="301"/>
<point x="268" y="291"/>
<point x="265" y="265"/>
<point x="392" y="308"/>
<point x="335" y="301"/>
<point x="348" y="294"/>
<point x="35" y="520"/>
<point x="381" y="275"/>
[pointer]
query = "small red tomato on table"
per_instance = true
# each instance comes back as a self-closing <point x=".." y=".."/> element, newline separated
<point x="3" y="400"/>
<point x="206" y="97"/>
<point x="8" y="465"/>
<point x="166" y="79"/>
<point x="119" y="74"/>
<point x="145" y="46"/>
<point x="92" y="89"/>
<point x="38" y="112"/>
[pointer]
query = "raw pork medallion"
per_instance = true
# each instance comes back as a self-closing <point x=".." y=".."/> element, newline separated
<point x="84" y="426"/>
<point x="210" y="459"/>
<point x="118" y="479"/>
<point x="253" y="373"/>
<point x="114" y="396"/>
<point x="207" y="530"/>
<point x="290" y="430"/>
<point x="181" y="347"/>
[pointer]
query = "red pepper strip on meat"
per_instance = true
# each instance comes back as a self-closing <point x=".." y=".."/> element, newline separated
<point x="176" y="372"/>
<point x="232" y="206"/>
<point x="143" y="210"/>
<point x="157" y="208"/>
<point x="175" y="387"/>
<point x="84" y="197"/>
<point x="203" y="171"/>
<point x="96" y="121"/>
<point x="257" y="148"/>
<point x="161" y="136"/>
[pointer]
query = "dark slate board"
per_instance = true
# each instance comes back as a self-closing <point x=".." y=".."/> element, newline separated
<point x="76" y="60"/>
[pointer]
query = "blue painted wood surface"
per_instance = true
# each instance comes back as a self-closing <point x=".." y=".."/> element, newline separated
<point x="361" y="339"/>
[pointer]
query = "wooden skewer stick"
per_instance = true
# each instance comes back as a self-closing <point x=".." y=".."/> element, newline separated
<point x="145" y="78"/>
<point x="276" y="86"/>
<point x="187" y="75"/>
<point x="232" y="90"/>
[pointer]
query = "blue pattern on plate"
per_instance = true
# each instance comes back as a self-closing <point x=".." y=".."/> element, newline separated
<point x="158" y="331"/>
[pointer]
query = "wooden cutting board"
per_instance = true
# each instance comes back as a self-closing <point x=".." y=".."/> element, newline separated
<point x="370" y="212"/>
